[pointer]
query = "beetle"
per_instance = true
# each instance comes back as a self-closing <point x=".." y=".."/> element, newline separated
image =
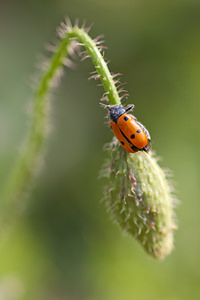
<point x="131" y="134"/>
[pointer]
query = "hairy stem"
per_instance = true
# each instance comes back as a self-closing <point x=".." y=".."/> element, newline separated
<point x="99" y="63"/>
<point x="24" y="170"/>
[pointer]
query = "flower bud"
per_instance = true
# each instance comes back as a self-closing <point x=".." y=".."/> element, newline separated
<point x="139" y="197"/>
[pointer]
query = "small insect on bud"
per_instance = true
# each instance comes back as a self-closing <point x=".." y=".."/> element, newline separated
<point x="139" y="198"/>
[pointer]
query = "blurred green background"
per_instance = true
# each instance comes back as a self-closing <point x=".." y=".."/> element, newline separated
<point x="65" y="246"/>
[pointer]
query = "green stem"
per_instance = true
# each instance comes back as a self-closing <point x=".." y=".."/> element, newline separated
<point x="23" y="172"/>
<point x="99" y="63"/>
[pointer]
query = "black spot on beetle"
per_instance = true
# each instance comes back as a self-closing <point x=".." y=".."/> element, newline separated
<point x="122" y="143"/>
<point x="138" y="131"/>
<point x="125" y="118"/>
<point x="132" y="136"/>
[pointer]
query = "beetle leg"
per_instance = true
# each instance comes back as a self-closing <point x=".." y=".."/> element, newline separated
<point x="147" y="147"/>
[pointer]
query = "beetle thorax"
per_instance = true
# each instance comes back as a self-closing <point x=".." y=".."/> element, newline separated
<point x="115" y="112"/>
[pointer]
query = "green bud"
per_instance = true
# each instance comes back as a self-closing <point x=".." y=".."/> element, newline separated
<point x="139" y="197"/>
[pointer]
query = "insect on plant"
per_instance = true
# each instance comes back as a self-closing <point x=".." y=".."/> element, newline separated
<point x="138" y="193"/>
<point x="131" y="134"/>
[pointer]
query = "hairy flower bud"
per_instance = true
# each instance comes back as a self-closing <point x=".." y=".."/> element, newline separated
<point x="139" y="197"/>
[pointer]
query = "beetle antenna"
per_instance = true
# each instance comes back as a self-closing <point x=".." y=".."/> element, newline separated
<point x="130" y="107"/>
<point x="125" y="99"/>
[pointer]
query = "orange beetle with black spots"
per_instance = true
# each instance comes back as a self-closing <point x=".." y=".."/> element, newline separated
<point x="131" y="134"/>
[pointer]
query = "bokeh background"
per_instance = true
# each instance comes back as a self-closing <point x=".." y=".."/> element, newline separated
<point x="64" y="246"/>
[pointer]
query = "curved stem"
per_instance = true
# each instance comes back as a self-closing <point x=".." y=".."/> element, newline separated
<point x="24" y="170"/>
<point x="99" y="63"/>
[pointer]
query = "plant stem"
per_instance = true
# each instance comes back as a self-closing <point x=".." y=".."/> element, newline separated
<point x="24" y="170"/>
<point x="99" y="63"/>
